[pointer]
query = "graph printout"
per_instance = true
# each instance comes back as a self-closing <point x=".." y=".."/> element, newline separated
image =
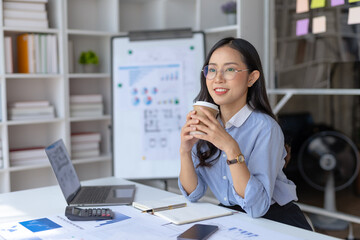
<point x="154" y="83"/>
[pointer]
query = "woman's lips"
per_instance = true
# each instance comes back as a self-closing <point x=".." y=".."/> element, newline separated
<point x="220" y="91"/>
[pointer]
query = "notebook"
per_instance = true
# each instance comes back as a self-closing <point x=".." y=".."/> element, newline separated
<point x="177" y="211"/>
<point x="77" y="195"/>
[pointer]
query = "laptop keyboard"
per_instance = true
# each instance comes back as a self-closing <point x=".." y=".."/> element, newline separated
<point x="93" y="195"/>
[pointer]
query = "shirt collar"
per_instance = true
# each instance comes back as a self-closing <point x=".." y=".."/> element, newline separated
<point x="240" y="117"/>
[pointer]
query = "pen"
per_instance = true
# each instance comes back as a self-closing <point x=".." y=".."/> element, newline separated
<point x="152" y="210"/>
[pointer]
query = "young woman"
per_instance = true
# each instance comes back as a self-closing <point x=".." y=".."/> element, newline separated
<point x="241" y="155"/>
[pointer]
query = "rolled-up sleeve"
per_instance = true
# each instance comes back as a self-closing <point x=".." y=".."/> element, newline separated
<point x="264" y="163"/>
<point x="197" y="193"/>
<point x="201" y="187"/>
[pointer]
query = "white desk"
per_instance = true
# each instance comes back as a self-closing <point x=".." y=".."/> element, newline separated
<point x="42" y="202"/>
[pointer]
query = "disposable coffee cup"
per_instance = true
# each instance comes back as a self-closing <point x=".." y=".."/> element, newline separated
<point x="214" y="109"/>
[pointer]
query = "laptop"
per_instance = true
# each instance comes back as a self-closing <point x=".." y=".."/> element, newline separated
<point x="77" y="195"/>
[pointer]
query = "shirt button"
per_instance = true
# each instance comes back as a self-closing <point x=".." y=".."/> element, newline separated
<point x="224" y="177"/>
<point x="225" y="198"/>
<point x="224" y="155"/>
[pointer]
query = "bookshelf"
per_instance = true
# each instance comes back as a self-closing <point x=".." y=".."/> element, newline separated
<point x="82" y="25"/>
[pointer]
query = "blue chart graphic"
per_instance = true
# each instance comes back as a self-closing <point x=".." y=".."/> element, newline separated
<point x="11" y="229"/>
<point x="242" y="233"/>
<point x="118" y="218"/>
<point x="136" y="101"/>
<point x="38" y="225"/>
<point x="136" y="73"/>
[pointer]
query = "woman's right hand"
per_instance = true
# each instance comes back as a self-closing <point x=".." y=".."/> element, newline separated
<point x="187" y="140"/>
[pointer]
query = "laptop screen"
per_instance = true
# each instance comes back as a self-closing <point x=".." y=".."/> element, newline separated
<point x="63" y="169"/>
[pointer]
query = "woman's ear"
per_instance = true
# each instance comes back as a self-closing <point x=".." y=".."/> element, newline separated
<point x="253" y="77"/>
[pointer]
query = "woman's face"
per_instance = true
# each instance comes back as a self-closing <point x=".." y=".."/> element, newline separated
<point x="229" y="93"/>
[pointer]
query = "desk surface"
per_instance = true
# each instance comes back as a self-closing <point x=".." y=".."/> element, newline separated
<point x="41" y="202"/>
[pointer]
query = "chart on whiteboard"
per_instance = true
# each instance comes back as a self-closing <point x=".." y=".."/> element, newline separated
<point x="153" y="93"/>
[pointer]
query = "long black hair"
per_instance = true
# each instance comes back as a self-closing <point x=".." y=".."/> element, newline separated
<point x="256" y="96"/>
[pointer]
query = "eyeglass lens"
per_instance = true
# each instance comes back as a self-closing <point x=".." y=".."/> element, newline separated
<point x="210" y="72"/>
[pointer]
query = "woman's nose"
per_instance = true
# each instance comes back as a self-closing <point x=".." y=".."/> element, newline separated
<point x="219" y="76"/>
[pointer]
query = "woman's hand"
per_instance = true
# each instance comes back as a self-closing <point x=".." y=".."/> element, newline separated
<point x="215" y="133"/>
<point x="187" y="140"/>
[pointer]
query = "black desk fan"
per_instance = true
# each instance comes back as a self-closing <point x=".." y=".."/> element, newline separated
<point x="328" y="161"/>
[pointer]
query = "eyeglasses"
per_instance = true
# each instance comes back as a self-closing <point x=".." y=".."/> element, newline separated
<point x="229" y="73"/>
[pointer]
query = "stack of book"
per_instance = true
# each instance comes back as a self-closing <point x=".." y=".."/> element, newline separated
<point x="36" y="53"/>
<point x="25" y="13"/>
<point x="31" y="110"/>
<point x="86" y="105"/>
<point x="28" y="156"/>
<point x="85" y="144"/>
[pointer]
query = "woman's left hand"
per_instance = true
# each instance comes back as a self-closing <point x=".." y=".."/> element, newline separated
<point x="214" y="132"/>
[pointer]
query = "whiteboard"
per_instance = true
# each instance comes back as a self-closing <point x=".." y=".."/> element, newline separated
<point x="154" y="83"/>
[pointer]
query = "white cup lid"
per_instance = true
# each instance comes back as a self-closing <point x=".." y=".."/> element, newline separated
<point x="206" y="104"/>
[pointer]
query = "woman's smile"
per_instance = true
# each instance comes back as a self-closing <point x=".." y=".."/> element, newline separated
<point x="220" y="91"/>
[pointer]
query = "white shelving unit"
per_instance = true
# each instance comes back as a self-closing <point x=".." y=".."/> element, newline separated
<point x="89" y="25"/>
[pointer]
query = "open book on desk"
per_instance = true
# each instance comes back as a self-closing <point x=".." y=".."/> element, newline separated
<point x="177" y="210"/>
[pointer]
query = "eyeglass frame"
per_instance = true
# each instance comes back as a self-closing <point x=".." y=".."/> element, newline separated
<point x="222" y="73"/>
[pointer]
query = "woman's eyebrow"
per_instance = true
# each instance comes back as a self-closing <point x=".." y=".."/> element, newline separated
<point x="231" y="63"/>
<point x="228" y="63"/>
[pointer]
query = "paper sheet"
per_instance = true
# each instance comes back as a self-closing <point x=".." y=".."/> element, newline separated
<point x="319" y="24"/>
<point x="302" y="27"/>
<point x="130" y="223"/>
<point x="317" y="4"/>
<point x="337" y="2"/>
<point x="354" y="15"/>
<point x="302" y="6"/>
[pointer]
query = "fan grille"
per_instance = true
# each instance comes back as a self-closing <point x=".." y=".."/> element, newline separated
<point x="328" y="152"/>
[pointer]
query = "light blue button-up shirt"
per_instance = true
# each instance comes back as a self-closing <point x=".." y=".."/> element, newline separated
<point x="261" y="141"/>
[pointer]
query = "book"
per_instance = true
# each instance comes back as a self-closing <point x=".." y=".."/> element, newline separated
<point x="29" y="161"/>
<point x="31" y="110"/>
<point x="34" y="15"/>
<point x="37" y="53"/>
<point x="25" y="53"/>
<point x="87" y="153"/>
<point x="24" y="5"/>
<point x="192" y="212"/>
<point x="162" y="204"/>
<point x="23" y="22"/>
<point x="24" y="153"/>
<point x="86" y="109"/>
<point x="43" y="53"/>
<point x="31" y="117"/>
<point x="85" y="137"/>
<point x="49" y="48"/>
<point x="88" y="98"/>
<point x="81" y="146"/>
<point x="71" y="56"/>
<point x="90" y="113"/>
<point x="8" y="55"/>
<point x="86" y="106"/>
<point x="22" y="44"/>
<point x="54" y="54"/>
<point x="41" y="103"/>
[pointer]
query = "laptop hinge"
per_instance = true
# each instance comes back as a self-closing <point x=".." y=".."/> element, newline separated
<point x="72" y="196"/>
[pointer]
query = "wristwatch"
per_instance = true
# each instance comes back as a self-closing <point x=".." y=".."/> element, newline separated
<point x="238" y="159"/>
